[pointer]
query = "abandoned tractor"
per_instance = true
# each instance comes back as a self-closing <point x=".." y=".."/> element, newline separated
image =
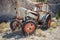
<point x="28" y="22"/>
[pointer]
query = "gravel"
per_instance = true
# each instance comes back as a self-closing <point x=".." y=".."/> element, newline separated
<point x="50" y="34"/>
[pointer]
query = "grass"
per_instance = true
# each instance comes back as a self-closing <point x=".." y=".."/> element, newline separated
<point x="4" y="27"/>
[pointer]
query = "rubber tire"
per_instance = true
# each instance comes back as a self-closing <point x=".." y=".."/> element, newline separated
<point x="23" y="26"/>
<point x="11" y="25"/>
<point x="46" y="23"/>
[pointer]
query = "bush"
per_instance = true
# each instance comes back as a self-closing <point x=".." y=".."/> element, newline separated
<point x="57" y="15"/>
<point x="41" y="0"/>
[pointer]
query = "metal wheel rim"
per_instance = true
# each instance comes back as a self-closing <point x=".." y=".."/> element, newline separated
<point x="29" y="28"/>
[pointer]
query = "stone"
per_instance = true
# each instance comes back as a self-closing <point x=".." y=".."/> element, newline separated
<point x="39" y="32"/>
<point x="54" y="24"/>
<point x="54" y="19"/>
<point x="12" y="39"/>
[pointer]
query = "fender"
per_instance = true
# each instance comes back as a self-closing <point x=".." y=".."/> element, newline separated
<point x="44" y="18"/>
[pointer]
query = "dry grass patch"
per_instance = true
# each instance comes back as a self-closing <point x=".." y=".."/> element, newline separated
<point x="4" y="27"/>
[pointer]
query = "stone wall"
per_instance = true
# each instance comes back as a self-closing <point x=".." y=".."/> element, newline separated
<point x="7" y="7"/>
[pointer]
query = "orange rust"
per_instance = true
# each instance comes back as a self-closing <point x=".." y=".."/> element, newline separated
<point x="49" y="23"/>
<point x="29" y="28"/>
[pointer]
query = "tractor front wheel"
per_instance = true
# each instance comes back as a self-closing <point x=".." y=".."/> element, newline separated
<point x="29" y="27"/>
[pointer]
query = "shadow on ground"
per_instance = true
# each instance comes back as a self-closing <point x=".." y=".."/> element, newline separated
<point x="15" y="35"/>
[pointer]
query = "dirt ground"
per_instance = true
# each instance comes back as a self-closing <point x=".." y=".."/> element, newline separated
<point x="50" y="34"/>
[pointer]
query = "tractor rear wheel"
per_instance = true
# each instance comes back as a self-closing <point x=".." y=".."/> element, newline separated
<point x="47" y="24"/>
<point x="29" y="27"/>
<point x="15" y="25"/>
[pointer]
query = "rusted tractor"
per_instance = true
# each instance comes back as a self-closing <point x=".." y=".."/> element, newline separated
<point x="30" y="21"/>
